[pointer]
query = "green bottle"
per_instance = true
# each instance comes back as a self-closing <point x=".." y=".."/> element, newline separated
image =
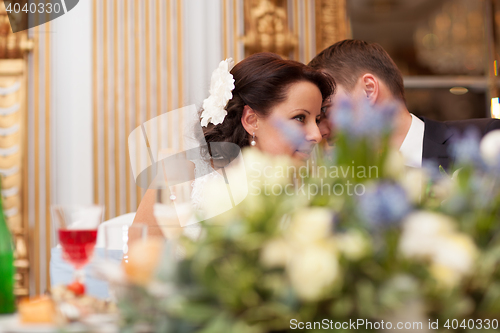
<point x="7" y="299"/>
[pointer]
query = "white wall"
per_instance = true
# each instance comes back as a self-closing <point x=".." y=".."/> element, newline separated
<point x="203" y="46"/>
<point x="72" y="171"/>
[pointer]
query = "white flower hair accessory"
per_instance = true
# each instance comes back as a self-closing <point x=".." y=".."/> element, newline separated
<point x="221" y="87"/>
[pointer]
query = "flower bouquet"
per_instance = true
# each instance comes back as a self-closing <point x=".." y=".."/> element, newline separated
<point x="353" y="242"/>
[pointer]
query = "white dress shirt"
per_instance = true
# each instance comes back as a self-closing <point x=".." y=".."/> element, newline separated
<point x="413" y="144"/>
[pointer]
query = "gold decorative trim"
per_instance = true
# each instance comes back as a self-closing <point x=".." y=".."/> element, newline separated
<point x="105" y="58"/>
<point x="296" y="26"/>
<point x="180" y="62"/>
<point x="307" y="32"/>
<point x="224" y="29"/>
<point x="170" y="71"/>
<point x="137" y="81"/>
<point x="127" y="110"/>
<point x="134" y="101"/>
<point x="332" y="23"/>
<point x="266" y="28"/>
<point x="13" y="45"/>
<point x="36" y="98"/>
<point x="48" y="224"/>
<point x="148" y="59"/>
<point x="95" y="102"/>
<point x="235" y="31"/>
<point x="117" y="124"/>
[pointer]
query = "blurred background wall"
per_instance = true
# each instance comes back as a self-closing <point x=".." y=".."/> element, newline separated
<point x="93" y="75"/>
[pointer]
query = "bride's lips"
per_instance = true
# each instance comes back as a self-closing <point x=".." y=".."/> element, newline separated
<point x="304" y="153"/>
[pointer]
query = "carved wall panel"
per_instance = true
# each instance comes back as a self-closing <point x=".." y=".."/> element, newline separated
<point x="332" y="24"/>
<point x="296" y="29"/>
<point x="266" y="28"/>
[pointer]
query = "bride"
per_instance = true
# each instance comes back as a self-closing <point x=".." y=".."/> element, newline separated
<point x="245" y="105"/>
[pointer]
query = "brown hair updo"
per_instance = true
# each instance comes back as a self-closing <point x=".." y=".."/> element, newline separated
<point x="261" y="81"/>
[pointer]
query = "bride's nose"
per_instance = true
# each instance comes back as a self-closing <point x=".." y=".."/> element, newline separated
<point x="313" y="133"/>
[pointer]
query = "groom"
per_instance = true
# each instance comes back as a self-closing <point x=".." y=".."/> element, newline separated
<point x="366" y="71"/>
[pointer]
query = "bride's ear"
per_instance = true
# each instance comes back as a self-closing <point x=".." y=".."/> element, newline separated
<point x="371" y="87"/>
<point x="249" y="120"/>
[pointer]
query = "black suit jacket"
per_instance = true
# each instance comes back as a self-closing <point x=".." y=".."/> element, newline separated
<point x="439" y="135"/>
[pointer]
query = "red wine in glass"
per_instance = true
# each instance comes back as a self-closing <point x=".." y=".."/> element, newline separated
<point x="77" y="245"/>
<point x="77" y="231"/>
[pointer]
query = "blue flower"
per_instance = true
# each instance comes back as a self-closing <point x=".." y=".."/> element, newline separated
<point x="343" y="117"/>
<point x="494" y="168"/>
<point x="365" y="121"/>
<point x="431" y="168"/>
<point x="292" y="133"/>
<point x="465" y="149"/>
<point x="383" y="205"/>
<point x="375" y="121"/>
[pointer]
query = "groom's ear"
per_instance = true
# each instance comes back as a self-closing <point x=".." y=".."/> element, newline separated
<point x="371" y="87"/>
<point x="249" y="120"/>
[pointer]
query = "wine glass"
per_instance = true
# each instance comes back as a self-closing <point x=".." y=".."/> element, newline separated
<point x="77" y="232"/>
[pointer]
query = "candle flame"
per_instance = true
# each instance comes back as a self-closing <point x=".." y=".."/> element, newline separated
<point x="495" y="107"/>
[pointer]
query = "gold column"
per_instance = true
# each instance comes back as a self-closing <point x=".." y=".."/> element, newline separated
<point x="13" y="165"/>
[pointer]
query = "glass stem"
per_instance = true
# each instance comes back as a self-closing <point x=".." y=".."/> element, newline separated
<point x="79" y="275"/>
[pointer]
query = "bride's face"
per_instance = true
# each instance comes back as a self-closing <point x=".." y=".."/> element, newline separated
<point x="299" y="113"/>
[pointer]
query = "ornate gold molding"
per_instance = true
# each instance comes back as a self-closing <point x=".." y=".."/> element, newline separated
<point x="12" y="45"/>
<point x="266" y="28"/>
<point x="332" y="24"/>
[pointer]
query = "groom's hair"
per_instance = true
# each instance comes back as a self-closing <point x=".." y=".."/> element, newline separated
<point x="346" y="61"/>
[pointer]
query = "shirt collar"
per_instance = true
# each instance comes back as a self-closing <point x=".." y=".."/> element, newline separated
<point x="412" y="146"/>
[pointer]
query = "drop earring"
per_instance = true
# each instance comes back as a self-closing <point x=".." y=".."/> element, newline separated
<point x="253" y="143"/>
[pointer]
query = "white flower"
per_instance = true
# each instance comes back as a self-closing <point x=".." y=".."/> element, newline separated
<point x="444" y="276"/>
<point x="490" y="147"/>
<point x="276" y="253"/>
<point x="432" y="237"/>
<point x="216" y="201"/>
<point x="422" y="231"/>
<point x="352" y="244"/>
<point x="457" y="252"/>
<point x="221" y="87"/>
<point x="394" y="165"/>
<point x="312" y="270"/>
<point x="414" y="182"/>
<point x="310" y="225"/>
<point x="444" y="188"/>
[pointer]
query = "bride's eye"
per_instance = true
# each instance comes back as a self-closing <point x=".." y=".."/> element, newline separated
<point x="323" y="109"/>
<point x="300" y="118"/>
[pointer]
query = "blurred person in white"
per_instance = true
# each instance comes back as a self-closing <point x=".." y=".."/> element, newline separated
<point x="365" y="71"/>
<point x="252" y="105"/>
